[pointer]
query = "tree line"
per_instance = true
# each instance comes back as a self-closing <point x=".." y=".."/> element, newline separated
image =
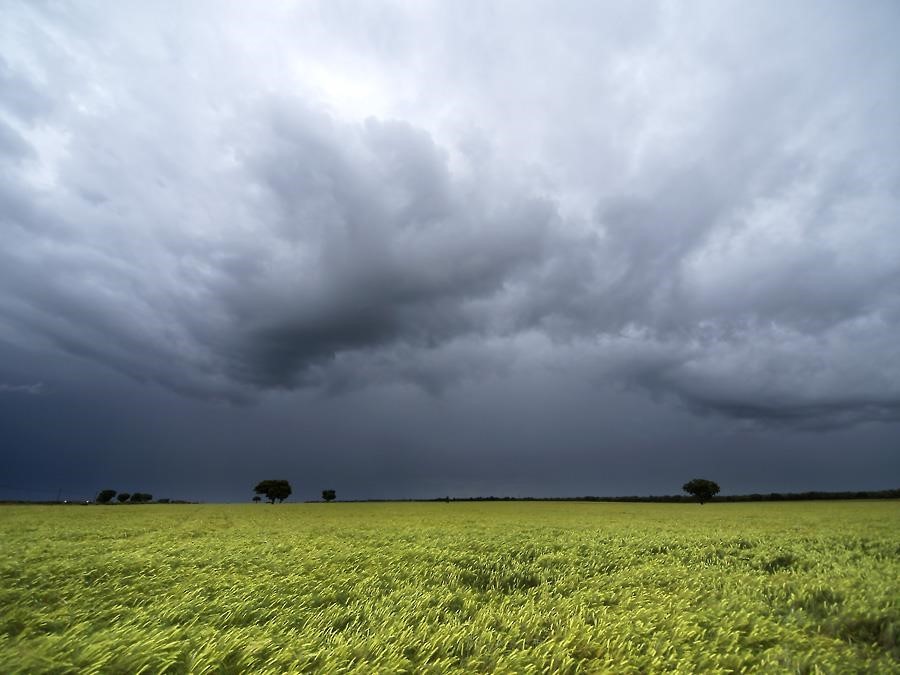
<point x="754" y="497"/>
<point x="700" y="490"/>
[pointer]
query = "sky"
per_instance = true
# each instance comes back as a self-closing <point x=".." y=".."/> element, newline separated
<point x="416" y="249"/>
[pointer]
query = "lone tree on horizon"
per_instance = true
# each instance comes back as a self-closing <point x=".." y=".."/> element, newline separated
<point x="273" y="489"/>
<point x="256" y="499"/>
<point x="328" y="495"/>
<point x="701" y="488"/>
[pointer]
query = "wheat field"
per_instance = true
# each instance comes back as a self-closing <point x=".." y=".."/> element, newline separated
<point x="517" y="587"/>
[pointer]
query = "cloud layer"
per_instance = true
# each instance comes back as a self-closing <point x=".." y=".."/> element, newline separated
<point x="700" y="201"/>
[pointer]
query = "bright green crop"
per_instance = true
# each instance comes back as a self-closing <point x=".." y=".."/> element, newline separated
<point x="459" y="587"/>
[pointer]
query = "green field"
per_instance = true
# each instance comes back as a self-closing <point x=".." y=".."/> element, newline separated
<point x="459" y="587"/>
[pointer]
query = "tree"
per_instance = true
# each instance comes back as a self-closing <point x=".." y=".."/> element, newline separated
<point x="123" y="497"/>
<point x="256" y="499"/>
<point x="141" y="497"/>
<point x="701" y="488"/>
<point x="328" y="495"/>
<point x="273" y="489"/>
<point x="105" y="496"/>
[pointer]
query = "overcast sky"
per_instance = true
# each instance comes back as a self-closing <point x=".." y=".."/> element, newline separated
<point x="408" y="249"/>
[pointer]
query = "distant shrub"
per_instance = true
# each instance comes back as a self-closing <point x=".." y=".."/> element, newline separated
<point x="105" y="496"/>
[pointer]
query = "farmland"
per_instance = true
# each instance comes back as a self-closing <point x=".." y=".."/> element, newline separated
<point x="456" y="587"/>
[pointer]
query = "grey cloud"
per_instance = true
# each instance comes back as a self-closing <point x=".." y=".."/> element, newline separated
<point x="641" y="194"/>
<point x="21" y="96"/>
<point x="777" y="376"/>
<point x="390" y="247"/>
<point x="12" y="145"/>
<point x="30" y="389"/>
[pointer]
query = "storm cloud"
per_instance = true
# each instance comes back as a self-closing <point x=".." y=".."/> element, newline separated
<point x="696" y="201"/>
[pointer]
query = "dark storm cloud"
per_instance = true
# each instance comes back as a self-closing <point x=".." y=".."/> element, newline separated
<point x="700" y="202"/>
<point x="374" y="244"/>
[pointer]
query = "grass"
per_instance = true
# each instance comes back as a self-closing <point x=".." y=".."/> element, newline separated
<point x="462" y="587"/>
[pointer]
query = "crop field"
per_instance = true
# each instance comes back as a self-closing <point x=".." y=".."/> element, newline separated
<point x="454" y="587"/>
